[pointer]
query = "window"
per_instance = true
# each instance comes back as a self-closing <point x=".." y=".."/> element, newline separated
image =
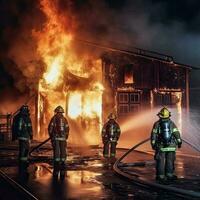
<point x="123" y="108"/>
<point x="128" y="102"/>
<point x="134" y="98"/>
<point x="123" y="98"/>
<point x="134" y="108"/>
<point x="128" y="74"/>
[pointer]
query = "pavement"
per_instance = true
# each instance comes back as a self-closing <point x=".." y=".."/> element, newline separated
<point x="89" y="176"/>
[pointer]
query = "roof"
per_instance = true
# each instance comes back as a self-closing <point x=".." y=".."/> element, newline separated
<point x="141" y="53"/>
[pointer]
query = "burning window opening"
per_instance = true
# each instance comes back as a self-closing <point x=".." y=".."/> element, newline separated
<point x="128" y="75"/>
<point x="83" y="105"/>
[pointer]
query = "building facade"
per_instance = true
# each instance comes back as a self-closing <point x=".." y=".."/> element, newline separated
<point x="138" y="81"/>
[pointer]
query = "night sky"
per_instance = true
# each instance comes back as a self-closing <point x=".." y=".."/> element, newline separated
<point x="167" y="26"/>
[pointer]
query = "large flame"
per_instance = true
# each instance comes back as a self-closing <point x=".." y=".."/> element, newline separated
<point x="54" y="46"/>
<point x="85" y="103"/>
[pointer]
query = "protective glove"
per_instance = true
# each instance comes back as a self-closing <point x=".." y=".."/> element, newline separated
<point x="179" y="145"/>
<point x="153" y="147"/>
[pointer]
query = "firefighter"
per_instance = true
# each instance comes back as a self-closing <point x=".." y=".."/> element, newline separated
<point x="110" y="135"/>
<point x="165" y="138"/>
<point x="22" y="130"/>
<point x="58" y="131"/>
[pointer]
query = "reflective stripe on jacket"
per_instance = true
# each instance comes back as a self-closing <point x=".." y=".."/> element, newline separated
<point x="156" y="141"/>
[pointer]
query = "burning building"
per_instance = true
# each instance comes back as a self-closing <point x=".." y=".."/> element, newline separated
<point x="142" y="79"/>
<point x="89" y="87"/>
<point x="124" y="82"/>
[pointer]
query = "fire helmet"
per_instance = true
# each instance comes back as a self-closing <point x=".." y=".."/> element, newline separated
<point x="164" y="113"/>
<point x="112" y="116"/>
<point x="24" y="109"/>
<point x="59" y="109"/>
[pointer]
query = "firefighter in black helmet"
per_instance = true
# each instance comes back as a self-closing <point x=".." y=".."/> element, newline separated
<point x="165" y="138"/>
<point x="22" y="130"/>
<point x="110" y="135"/>
<point x="58" y="131"/>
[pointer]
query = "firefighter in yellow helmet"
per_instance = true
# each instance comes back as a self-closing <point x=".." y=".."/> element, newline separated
<point x="58" y="131"/>
<point x="110" y="135"/>
<point x="165" y="138"/>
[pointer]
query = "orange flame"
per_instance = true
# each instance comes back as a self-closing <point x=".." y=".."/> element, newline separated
<point x="54" y="47"/>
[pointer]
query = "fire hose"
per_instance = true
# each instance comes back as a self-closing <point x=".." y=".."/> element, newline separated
<point x="38" y="146"/>
<point x="144" y="182"/>
<point x="139" y="180"/>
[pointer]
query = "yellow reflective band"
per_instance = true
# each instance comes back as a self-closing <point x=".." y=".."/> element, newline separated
<point x="153" y="141"/>
<point x="57" y="159"/>
<point x="22" y="138"/>
<point x="179" y="140"/>
<point x="175" y="130"/>
<point x="23" y="158"/>
<point x="60" y="139"/>
<point x="154" y="130"/>
<point x="164" y="149"/>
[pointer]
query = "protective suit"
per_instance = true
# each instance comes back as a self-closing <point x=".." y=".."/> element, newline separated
<point x="22" y="130"/>
<point x="58" y="131"/>
<point x="110" y="135"/>
<point x="165" y="138"/>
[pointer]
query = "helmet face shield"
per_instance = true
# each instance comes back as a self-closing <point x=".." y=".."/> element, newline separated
<point x="164" y="113"/>
<point x="59" y="109"/>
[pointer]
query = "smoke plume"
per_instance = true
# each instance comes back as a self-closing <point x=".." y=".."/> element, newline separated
<point x="165" y="26"/>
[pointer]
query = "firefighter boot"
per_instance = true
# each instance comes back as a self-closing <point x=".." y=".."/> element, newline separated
<point x="161" y="179"/>
<point x="62" y="170"/>
<point x="172" y="178"/>
<point x="56" y="170"/>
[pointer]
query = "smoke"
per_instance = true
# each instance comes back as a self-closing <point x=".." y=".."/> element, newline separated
<point x="191" y="128"/>
<point x="164" y="26"/>
<point x="18" y="57"/>
<point x="155" y="25"/>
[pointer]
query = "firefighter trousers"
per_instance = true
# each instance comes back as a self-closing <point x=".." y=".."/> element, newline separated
<point x="109" y="149"/>
<point x="24" y="147"/>
<point x="59" y="154"/>
<point x="165" y="163"/>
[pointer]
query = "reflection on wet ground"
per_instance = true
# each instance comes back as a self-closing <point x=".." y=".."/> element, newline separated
<point x="89" y="176"/>
<point x="187" y="167"/>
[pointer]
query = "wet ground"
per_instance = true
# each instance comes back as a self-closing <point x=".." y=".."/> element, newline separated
<point x="187" y="168"/>
<point x="88" y="175"/>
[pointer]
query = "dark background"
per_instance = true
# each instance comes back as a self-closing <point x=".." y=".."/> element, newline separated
<point x="167" y="26"/>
